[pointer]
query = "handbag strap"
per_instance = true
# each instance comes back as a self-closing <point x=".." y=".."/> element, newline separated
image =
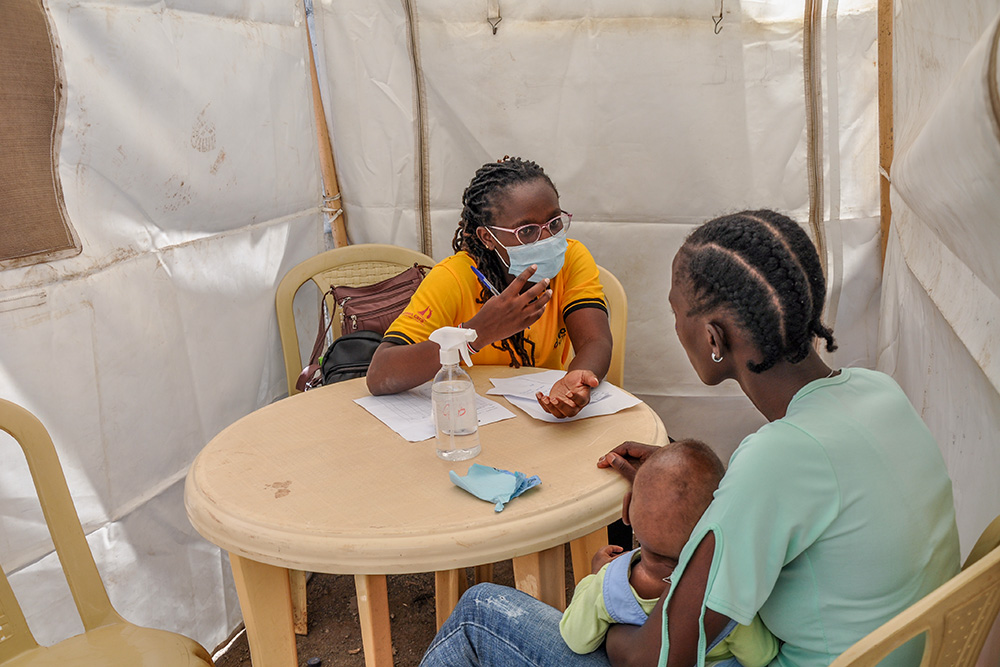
<point x="324" y="326"/>
<point x="306" y="376"/>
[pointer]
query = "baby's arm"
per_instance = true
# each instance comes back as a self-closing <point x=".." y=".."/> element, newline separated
<point x="586" y="620"/>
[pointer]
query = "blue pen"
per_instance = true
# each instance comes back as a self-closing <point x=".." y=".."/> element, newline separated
<point x="484" y="281"/>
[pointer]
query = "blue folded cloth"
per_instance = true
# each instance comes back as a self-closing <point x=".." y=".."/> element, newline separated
<point x="493" y="484"/>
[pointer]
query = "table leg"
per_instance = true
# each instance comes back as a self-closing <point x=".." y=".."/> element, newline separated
<point x="373" y="611"/>
<point x="448" y="587"/>
<point x="297" y="578"/>
<point x="484" y="573"/>
<point x="265" y="599"/>
<point x="582" y="551"/>
<point x="543" y="575"/>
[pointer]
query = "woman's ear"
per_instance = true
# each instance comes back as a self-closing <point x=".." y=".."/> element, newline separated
<point x="626" y="501"/>
<point x="484" y="237"/>
<point x="717" y="340"/>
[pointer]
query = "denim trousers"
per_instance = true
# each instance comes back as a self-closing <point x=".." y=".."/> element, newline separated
<point x="496" y="626"/>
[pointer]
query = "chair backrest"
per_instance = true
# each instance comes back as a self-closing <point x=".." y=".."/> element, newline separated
<point x="353" y="265"/>
<point x="956" y="617"/>
<point x="77" y="561"/>
<point x="987" y="542"/>
<point x="614" y="293"/>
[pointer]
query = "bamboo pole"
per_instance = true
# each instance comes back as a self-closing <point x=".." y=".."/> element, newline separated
<point x="332" y="203"/>
<point x="812" y="78"/>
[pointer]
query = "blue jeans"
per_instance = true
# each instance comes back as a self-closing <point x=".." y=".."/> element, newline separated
<point x="496" y="626"/>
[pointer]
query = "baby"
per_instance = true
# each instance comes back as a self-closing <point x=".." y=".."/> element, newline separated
<point x="671" y="491"/>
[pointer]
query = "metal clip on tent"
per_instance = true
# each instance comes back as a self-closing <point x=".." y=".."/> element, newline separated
<point x="717" y="20"/>
<point x="493" y="14"/>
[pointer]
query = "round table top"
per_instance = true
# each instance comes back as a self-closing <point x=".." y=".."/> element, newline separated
<point x="314" y="482"/>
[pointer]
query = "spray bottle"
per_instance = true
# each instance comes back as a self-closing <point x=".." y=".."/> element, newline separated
<point x="454" y="398"/>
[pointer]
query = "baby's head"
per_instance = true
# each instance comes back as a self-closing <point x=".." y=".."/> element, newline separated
<point x="671" y="491"/>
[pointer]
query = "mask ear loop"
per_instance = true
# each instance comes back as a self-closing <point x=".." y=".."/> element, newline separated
<point x="490" y="232"/>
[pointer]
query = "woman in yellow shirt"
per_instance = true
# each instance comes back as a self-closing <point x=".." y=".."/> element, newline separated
<point x="539" y="293"/>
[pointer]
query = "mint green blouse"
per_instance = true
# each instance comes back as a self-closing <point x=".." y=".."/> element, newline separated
<point x="830" y="521"/>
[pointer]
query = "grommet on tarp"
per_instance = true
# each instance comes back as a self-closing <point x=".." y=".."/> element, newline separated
<point x="493" y="14"/>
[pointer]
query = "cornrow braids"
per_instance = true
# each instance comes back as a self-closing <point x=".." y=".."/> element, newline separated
<point x="805" y="252"/>
<point x="479" y="203"/>
<point x="762" y="267"/>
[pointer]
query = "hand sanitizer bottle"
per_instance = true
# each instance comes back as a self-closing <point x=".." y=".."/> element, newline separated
<point x="453" y="397"/>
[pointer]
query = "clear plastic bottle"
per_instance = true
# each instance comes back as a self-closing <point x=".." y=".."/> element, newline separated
<point x="453" y="397"/>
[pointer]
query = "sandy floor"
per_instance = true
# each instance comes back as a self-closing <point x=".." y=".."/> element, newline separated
<point x="335" y="635"/>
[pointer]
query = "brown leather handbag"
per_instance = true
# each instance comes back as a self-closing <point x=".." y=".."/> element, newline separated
<point x="367" y="308"/>
<point x="375" y="307"/>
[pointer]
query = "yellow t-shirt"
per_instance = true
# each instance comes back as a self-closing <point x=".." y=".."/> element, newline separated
<point x="447" y="297"/>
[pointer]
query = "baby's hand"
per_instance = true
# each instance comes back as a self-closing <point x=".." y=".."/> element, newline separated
<point x="604" y="556"/>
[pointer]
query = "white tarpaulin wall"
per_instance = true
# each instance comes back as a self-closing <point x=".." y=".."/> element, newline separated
<point x="190" y="171"/>
<point x="941" y="296"/>
<point x="189" y="167"/>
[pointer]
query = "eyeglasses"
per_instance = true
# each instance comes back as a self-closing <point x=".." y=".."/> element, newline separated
<point x="532" y="232"/>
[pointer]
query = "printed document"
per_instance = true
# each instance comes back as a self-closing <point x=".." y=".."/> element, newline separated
<point x="605" y="398"/>
<point x="409" y="413"/>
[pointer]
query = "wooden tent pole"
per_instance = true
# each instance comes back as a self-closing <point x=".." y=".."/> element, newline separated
<point x="885" y="129"/>
<point x="332" y="203"/>
<point x="812" y="77"/>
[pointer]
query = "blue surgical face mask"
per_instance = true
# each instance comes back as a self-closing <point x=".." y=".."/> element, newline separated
<point x="548" y="254"/>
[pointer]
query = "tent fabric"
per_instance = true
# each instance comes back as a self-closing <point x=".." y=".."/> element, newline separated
<point x="190" y="171"/>
<point x="189" y="167"/>
<point x="941" y="295"/>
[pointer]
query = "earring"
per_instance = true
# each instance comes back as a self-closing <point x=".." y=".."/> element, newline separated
<point x="715" y="358"/>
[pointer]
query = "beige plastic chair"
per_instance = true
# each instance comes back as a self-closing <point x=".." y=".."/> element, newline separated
<point x="108" y="639"/>
<point x="354" y="266"/>
<point x="582" y="549"/>
<point x="956" y="617"/>
<point x="617" y="302"/>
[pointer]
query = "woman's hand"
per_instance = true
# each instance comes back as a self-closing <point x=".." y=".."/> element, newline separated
<point x="570" y="394"/>
<point x="505" y="315"/>
<point x="626" y="458"/>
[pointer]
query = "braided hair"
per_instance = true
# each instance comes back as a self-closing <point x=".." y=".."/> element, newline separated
<point x="762" y="267"/>
<point x="479" y="203"/>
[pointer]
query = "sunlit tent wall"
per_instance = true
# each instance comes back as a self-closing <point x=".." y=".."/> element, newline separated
<point x="187" y="160"/>
<point x="941" y="293"/>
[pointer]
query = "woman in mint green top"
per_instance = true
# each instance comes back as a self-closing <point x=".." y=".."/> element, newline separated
<point x="831" y="519"/>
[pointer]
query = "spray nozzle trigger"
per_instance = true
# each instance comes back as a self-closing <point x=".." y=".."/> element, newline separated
<point x="454" y="342"/>
<point x="464" y="350"/>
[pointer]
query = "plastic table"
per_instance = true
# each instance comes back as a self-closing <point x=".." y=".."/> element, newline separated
<point x="313" y="482"/>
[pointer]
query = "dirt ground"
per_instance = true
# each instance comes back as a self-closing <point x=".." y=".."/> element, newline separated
<point x="334" y="632"/>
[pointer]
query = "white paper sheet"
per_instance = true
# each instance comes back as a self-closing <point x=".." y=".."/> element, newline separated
<point x="409" y="413"/>
<point x="605" y="398"/>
